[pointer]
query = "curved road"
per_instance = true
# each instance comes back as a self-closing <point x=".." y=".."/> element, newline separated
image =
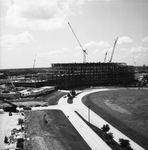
<point x="92" y="139"/>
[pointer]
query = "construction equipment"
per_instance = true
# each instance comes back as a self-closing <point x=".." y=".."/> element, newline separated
<point x="113" y="49"/>
<point x="105" y="57"/>
<point x="84" y="50"/>
<point x="11" y="108"/>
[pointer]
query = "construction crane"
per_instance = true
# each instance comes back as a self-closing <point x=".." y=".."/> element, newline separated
<point x="84" y="50"/>
<point x="33" y="70"/>
<point x="105" y="57"/>
<point x="134" y="61"/>
<point x="113" y="49"/>
<point x="34" y="62"/>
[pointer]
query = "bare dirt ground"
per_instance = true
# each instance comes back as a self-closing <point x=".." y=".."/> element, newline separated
<point x="5" y="119"/>
<point x="49" y="99"/>
<point x="125" y="109"/>
<point x="51" y="130"/>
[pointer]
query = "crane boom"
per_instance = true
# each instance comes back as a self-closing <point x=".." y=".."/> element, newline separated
<point x="84" y="50"/>
<point x="105" y="57"/>
<point x="113" y="49"/>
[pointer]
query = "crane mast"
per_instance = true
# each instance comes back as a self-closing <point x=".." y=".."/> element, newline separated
<point x="84" y="50"/>
<point x="134" y="61"/>
<point x="33" y="65"/>
<point x="34" y="62"/>
<point x="113" y="49"/>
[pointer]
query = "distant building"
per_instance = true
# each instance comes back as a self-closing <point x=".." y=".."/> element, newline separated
<point x="70" y="75"/>
<point x="2" y="76"/>
<point x="141" y="69"/>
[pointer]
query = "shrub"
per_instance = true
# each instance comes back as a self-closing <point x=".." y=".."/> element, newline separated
<point x="109" y="136"/>
<point x="6" y="140"/>
<point x="68" y="95"/>
<point x="73" y="92"/>
<point x="125" y="144"/>
<point x="20" y="121"/>
<point x="105" y="128"/>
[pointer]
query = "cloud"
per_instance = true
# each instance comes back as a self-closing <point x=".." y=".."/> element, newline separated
<point x="5" y="3"/>
<point x="139" y="50"/>
<point x="56" y="53"/>
<point x="59" y="53"/>
<point x="10" y="42"/>
<point x="124" y="39"/>
<point x="40" y="14"/>
<point x="145" y="39"/>
<point x="64" y="55"/>
<point x="99" y="0"/>
<point x="97" y="44"/>
<point x="97" y="47"/>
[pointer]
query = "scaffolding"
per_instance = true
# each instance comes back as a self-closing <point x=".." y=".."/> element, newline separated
<point x="70" y="75"/>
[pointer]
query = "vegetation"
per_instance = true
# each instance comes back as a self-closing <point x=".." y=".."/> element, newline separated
<point x="126" y="110"/>
<point x="109" y="136"/>
<point x="6" y="140"/>
<point x="20" y="121"/>
<point x="105" y="128"/>
<point x="125" y="144"/>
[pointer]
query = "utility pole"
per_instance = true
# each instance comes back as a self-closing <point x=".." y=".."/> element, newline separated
<point x="34" y="62"/>
<point x="33" y="69"/>
<point x="134" y="61"/>
<point x="89" y="113"/>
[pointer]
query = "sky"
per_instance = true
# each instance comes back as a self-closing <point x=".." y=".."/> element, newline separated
<point x="38" y="31"/>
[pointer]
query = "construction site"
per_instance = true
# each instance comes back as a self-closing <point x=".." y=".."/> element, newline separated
<point x="71" y="75"/>
<point x="69" y="106"/>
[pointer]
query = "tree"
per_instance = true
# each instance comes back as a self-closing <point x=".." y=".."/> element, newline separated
<point x="125" y="144"/>
<point x="73" y="92"/>
<point x="109" y="136"/>
<point x="68" y="95"/>
<point x="105" y="128"/>
<point x="6" y="140"/>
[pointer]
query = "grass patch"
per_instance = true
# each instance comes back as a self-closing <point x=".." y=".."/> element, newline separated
<point x="112" y="143"/>
<point x="133" y="120"/>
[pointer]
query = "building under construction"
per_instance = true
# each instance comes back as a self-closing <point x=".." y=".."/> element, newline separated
<point x="70" y="75"/>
